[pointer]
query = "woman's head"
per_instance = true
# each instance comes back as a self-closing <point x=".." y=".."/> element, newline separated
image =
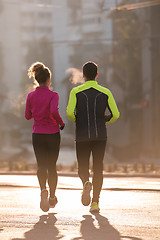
<point x="40" y="73"/>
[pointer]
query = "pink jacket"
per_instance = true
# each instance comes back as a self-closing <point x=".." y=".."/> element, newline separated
<point x="42" y="106"/>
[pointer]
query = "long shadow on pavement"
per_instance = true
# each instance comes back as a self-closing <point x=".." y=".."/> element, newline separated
<point x="132" y="238"/>
<point x="43" y="229"/>
<point x="104" y="230"/>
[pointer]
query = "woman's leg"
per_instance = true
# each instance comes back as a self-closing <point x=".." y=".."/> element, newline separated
<point x="53" y="146"/>
<point x="39" y="146"/>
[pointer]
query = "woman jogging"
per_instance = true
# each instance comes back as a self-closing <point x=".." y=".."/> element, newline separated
<point x="42" y="106"/>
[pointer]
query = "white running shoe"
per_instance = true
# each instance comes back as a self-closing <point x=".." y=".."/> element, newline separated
<point x="86" y="198"/>
<point x="53" y="202"/>
<point x="44" y="204"/>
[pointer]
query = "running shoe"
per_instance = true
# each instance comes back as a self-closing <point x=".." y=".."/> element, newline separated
<point x="44" y="204"/>
<point x="53" y="202"/>
<point x="86" y="198"/>
<point x="94" y="207"/>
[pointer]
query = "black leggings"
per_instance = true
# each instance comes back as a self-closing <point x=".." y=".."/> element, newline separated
<point x="83" y="151"/>
<point x="46" y="149"/>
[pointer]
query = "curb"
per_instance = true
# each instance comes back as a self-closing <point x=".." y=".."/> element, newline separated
<point x="73" y="174"/>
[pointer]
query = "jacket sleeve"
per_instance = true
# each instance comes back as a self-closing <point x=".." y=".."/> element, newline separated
<point x="28" y="113"/>
<point x="54" y="109"/>
<point x="114" y="113"/>
<point x="71" y="106"/>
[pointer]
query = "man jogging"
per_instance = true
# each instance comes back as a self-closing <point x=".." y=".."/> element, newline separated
<point x="87" y="108"/>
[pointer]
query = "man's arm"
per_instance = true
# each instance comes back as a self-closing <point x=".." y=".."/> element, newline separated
<point x="112" y="108"/>
<point x="71" y="106"/>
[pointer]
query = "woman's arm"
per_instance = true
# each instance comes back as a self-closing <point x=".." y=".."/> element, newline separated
<point x="54" y="109"/>
<point x="28" y="113"/>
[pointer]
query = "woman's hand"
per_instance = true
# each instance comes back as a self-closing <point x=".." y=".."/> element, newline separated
<point x="62" y="127"/>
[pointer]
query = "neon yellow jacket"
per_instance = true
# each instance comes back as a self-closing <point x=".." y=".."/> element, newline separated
<point x="87" y="106"/>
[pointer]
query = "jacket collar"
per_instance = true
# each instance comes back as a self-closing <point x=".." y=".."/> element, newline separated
<point x="91" y="82"/>
<point x="42" y="88"/>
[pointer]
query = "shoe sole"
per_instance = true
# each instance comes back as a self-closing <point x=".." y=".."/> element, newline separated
<point x="44" y="204"/>
<point x="86" y="198"/>
<point x="94" y="210"/>
<point x="52" y="206"/>
<point x="53" y="202"/>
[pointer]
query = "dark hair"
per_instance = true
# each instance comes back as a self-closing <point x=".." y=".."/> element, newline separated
<point x="39" y="72"/>
<point x="90" y="70"/>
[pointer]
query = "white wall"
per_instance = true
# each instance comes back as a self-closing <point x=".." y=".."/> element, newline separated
<point x="10" y="42"/>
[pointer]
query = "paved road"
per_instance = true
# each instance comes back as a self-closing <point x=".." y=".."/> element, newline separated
<point x="130" y="210"/>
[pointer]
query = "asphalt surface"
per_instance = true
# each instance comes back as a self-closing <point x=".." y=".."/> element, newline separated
<point x="130" y="210"/>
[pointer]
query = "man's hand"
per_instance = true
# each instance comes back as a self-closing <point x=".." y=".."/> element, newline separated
<point x="107" y="117"/>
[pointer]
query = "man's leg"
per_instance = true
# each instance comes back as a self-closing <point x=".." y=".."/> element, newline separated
<point x="98" y="150"/>
<point x="83" y="152"/>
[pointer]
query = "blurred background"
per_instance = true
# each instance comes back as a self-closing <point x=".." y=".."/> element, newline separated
<point x="121" y="36"/>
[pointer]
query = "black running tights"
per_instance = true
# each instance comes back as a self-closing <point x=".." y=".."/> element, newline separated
<point x="46" y="149"/>
<point x="83" y="151"/>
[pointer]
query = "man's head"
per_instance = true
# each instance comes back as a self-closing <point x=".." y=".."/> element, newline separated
<point x="90" y="70"/>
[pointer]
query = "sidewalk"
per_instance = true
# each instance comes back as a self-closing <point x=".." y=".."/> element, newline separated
<point x="124" y="214"/>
